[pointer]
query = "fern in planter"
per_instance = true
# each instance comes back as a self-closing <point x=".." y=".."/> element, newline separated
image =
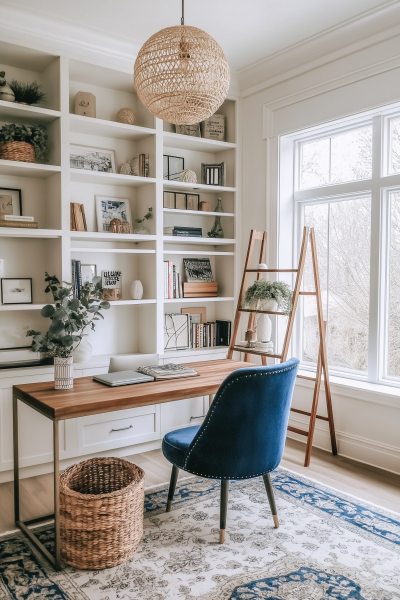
<point x="261" y="291"/>
<point x="27" y="93"/>
<point x="36" y="135"/>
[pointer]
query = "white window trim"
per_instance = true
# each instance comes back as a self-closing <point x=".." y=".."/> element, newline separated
<point x="379" y="187"/>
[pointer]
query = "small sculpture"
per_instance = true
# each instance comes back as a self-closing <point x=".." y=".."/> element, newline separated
<point x="6" y="92"/>
<point x="125" y="169"/>
<point x="115" y="226"/>
<point x="126" y="115"/>
<point x="188" y="176"/>
<point x="137" y="290"/>
<point x="125" y="227"/>
<point x="85" y="104"/>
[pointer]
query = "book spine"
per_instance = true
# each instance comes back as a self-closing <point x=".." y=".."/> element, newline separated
<point x="180" y="286"/>
<point x="165" y="279"/>
<point x="170" y="284"/>
<point x="72" y="217"/>
<point x="16" y="218"/>
<point x="24" y="224"/>
<point x="83" y="217"/>
<point x="147" y="166"/>
<point x="73" y="277"/>
<point x="78" y="276"/>
<point x="174" y="280"/>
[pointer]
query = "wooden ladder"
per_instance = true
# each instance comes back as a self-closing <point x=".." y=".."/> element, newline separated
<point x="322" y="363"/>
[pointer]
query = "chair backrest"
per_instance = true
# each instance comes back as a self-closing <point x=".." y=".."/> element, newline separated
<point x="244" y="432"/>
<point x="131" y="362"/>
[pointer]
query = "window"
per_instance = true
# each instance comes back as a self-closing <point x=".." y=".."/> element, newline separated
<point x="346" y="184"/>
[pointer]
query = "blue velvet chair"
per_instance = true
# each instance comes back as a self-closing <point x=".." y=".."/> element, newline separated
<point x="242" y="436"/>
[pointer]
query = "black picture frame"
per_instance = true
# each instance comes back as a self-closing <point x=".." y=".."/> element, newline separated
<point x="193" y="198"/>
<point x="172" y="172"/>
<point x="3" y="279"/>
<point x="168" y="198"/>
<point x="4" y="189"/>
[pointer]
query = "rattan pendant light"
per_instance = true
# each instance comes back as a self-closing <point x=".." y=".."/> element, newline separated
<point x="181" y="74"/>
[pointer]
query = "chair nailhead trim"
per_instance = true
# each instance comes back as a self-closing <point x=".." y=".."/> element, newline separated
<point x="214" y="406"/>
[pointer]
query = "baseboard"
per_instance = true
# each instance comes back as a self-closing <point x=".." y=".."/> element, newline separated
<point x="363" y="450"/>
<point x="45" y="468"/>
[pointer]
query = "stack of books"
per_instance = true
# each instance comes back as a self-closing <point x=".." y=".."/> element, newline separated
<point x="187" y="231"/>
<point x="140" y="165"/>
<point x="77" y="215"/>
<point x="172" y="281"/>
<point x="169" y="371"/>
<point x="18" y="221"/>
<point x="208" y="335"/>
<point x="76" y="278"/>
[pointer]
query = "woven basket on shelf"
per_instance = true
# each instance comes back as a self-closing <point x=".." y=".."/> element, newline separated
<point x="21" y="151"/>
<point x="101" y="512"/>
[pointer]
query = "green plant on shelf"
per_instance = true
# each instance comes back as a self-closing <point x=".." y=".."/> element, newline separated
<point x="27" y="93"/>
<point x="261" y="291"/>
<point x="69" y="316"/>
<point x="146" y="216"/>
<point x="36" y="135"/>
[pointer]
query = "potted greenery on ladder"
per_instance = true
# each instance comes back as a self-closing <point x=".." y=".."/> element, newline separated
<point x="69" y="318"/>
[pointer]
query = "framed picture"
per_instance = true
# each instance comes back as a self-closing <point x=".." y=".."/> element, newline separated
<point x="176" y="332"/>
<point x="10" y="202"/>
<point x="199" y="314"/>
<point x="192" y="201"/>
<point x="91" y="159"/>
<point x="197" y="269"/>
<point x="88" y="272"/>
<point x="169" y="199"/>
<point x="111" y="280"/>
<point x="112" y="208"/>
<point x="16" y="291"/>
<point x="180" y="201"/>
<point x="173" y="167"/>
<point x="192" y="130"/>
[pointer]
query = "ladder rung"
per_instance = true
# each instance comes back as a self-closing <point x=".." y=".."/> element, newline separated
<point x="271" y="270"/>
<point x="295" y="430"/>
<point x="254" y="351"/>
<point x="307" y="293"/>
<point x="261" y="312"/>
<point x="304" y="412"/>
<point x="306" y="377"/>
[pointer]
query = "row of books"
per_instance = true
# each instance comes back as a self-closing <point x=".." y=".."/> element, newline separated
<point x="172" y="281"/>
<point x="184" y="231"/>
<point x="76" y="268"/>
<point x="78" y="219"/>
<point x="18" y="221"/>
<point x="140" y="165"/>
<point x="208" y="335"/>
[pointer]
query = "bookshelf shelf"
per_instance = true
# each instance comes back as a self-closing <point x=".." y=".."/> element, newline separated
<point x="197" y="253"/>
<point x="96" y="236"/>
<point x="133" y="302"/>
<point x="197" y="213"/>
<point x="186" y="142"/>
<point x="211" y="189"/>
<point x="198" y="300"/>
<point x="104" y="128"/>
<point x="25" y="232"/>
<point x="21" y="169"/>
<point x="23" y="113"/>
<point x="174" y="239"/>
<point x="9" y="307"/>
<point x="82" y="176"/>
<point x="195" y="352"/>
<point x="113" y="250"/>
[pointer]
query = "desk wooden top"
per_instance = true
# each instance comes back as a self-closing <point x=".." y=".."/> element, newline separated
<point x="89" y="397"/>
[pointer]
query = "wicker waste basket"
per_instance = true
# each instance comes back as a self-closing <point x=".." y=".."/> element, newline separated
<point x="101" y="512"/>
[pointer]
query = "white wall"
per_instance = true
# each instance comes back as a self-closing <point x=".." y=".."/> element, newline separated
<point x="367" y="420"/>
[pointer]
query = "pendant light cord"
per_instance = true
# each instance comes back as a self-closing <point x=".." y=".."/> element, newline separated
<point x="183" y="13"/>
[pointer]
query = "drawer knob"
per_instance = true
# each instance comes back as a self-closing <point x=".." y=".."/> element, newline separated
<point x="122" y="428"/>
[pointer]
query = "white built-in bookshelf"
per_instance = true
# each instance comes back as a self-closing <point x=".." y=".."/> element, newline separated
<point x="130" y="326"/>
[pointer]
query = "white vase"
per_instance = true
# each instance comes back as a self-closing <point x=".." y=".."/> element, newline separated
<point x="270" y="305"/>
<point x="83" y="351"/>
<point x="63" y="373"/>
<point x="264" y="328"/>
<point x="137" y="290"/>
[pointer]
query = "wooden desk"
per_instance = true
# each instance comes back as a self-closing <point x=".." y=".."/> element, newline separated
<point x="89" y="397"/>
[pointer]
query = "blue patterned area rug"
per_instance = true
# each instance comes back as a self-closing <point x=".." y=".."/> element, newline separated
<point x="328" y="546"/>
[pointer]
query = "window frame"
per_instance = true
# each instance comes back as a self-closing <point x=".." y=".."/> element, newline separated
<point x="379" y="187"/>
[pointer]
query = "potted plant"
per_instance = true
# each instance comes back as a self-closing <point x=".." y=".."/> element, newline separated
<point x="69" y="318"/>
<point x="267" y="295"/>
<point x="27" y="93"/>
<point x="22" y="142"/>
<point x="142" y="230"/>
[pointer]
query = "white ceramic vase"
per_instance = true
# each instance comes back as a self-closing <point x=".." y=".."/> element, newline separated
<point x="270" y="305"/>
<point x="63" y="373"/>
<point x="83" y="351"/>
<point x="137" y="290"/>
<point x="264" y="328"/>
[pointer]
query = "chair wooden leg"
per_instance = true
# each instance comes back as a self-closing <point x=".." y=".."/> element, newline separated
<point x="271" y="499"/>
<point x="223" y="509"/>
<point x="172" y="486"/>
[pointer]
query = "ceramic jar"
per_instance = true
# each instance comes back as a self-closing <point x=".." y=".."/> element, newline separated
<point x="137" y="290"/>
<point x="83" y="351"/>
<point x="63" y="373"/>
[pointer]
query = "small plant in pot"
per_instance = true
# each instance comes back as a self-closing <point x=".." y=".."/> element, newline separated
<point x="22" y="142"/>
<point x="267" y="295"/>
<point x="27" y="93"/>
<point x="69" y="318"/>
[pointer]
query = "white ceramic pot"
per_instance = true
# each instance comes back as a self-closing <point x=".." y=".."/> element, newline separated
<point x="63" y="373"/>
<point x="264" y="328"/>
<point x="270" y="305"/>
<point x="137" y="290"/>
<point x="83" y="351"/>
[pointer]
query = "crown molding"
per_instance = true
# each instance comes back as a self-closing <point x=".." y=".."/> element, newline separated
<point x="350" y="36"/>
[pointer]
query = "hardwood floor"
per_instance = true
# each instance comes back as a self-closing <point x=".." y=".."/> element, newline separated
<point x="368" y="483"/>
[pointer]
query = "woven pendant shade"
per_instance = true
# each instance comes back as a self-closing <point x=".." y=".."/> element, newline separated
<point x="181" y="75"/>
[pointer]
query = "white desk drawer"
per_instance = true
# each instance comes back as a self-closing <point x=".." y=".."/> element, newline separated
<point x="97" y="433"/>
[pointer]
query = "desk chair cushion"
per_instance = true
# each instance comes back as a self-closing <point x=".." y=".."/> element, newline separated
<point x="176" y="443"/>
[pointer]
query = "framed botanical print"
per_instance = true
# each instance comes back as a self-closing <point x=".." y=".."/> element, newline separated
<point x="16" y="291"/>
<point x="10" y="202"/>
<point x="108" y="208"/>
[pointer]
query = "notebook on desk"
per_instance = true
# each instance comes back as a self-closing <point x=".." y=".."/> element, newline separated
<point x="122" y="378"/>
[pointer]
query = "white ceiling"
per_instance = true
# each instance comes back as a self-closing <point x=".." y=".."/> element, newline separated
<point x="247" y="30"/>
